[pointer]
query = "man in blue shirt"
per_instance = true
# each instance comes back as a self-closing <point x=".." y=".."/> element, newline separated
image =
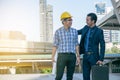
<point x="92" y="39"/>
<point x="66" y="44"/>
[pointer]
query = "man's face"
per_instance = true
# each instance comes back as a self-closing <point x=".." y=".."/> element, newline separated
<point x="89" y="21"/>
<point x="68" y="22"/>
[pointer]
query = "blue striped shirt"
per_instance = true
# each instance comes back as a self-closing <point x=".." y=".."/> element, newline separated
<point x="66" y="40"/>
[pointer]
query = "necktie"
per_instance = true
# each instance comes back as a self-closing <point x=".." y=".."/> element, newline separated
<point x="87" y="42"/>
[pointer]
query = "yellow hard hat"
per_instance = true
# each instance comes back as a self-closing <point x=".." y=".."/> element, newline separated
<point x="65" y="15"/>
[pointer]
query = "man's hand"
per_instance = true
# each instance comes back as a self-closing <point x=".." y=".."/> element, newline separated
<point x="53" y="60"/>
<point x="99" y="62"/>
<point x="78" y="61"/>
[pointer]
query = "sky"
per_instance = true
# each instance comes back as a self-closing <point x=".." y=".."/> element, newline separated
<point x="23" y="15"/>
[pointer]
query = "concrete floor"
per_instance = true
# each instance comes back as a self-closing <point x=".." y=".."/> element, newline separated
<point x="47" y="77"/>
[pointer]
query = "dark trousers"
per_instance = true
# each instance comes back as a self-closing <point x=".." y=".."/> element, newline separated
<point x="88" y="61"/>
<point x="68" y="61"/>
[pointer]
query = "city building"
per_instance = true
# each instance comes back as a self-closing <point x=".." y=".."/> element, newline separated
<point x="107" y="36"/>
<point x="12" y="35"/>
<point x="46" y="22"/>
<point x="49" y="24"/>
<point x="20" y="56"/>
<point x="115" y="36"/>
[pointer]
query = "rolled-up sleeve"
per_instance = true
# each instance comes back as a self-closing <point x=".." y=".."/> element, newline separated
<point x="56" y="39"/>
<point x="76" y="39"/>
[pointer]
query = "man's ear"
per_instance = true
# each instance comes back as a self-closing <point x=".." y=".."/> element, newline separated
<point x="93" y="21"/>
<point x="63" y="22"/>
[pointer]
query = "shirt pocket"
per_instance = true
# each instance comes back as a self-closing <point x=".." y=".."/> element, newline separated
<point x="73" y="38"/>
<point x="62" y="39"/>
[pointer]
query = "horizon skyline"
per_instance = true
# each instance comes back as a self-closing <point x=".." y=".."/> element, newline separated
<point x="24" y="15"/>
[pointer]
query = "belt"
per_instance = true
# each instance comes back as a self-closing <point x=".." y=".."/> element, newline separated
<point x="88" y="52"/>
<point x="66" y="53"/>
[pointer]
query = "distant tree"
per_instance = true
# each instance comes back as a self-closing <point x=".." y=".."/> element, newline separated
<point x="114" y="49"/>
<point x="115" y="43"/>
<point x="108" y="51"/>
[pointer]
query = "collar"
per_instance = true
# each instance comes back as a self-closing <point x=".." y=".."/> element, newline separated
<point x="92" y="27"/>
<point x="65" y="29"/>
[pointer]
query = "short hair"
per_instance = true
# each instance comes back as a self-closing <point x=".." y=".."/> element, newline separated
<point x="64" y="20"/>
<point x="93" y="17"/>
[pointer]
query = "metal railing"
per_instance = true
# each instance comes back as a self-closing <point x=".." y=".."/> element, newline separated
<point x="25" y="50"/>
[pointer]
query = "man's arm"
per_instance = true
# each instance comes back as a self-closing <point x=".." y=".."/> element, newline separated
<point x="77" y="55"/>
<point x="102" y="46"/>
<point x="55" y="45"/>
<point x="79" y="32"/>
<point x="77" y="49"/>
<point x="53" y="53"/>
